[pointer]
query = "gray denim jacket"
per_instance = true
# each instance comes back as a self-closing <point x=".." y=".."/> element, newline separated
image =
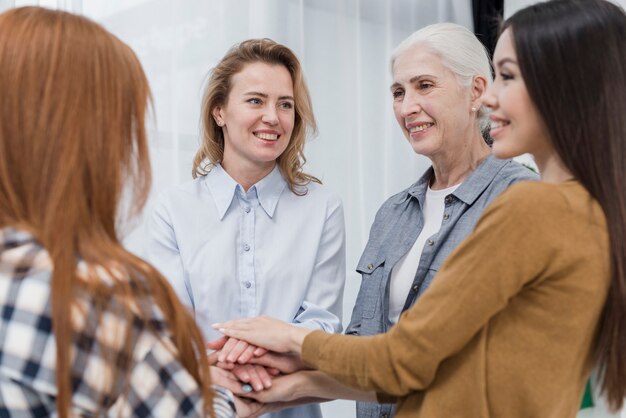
<point x="396" y="227"/>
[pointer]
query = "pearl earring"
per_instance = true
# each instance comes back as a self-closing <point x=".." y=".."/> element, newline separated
<point x="473" y="109"/>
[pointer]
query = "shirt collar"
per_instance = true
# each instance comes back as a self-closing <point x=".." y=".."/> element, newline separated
<point x="269" y="189"/>
<point x="11" y="237"/>
<point x="479" y="179"/>
<point x="223" y="188"/>
<point x="471" y="187"/>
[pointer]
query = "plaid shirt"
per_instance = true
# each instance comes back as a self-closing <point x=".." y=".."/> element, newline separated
<point x="158" y="384"/>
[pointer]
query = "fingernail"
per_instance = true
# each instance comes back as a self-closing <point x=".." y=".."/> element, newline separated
<point x="246" y="388"/>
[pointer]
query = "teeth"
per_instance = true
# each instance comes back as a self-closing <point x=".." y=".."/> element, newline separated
<point x="498" y="124"/>
<point x="420" y="127"/>
<point x="267" y="137"/>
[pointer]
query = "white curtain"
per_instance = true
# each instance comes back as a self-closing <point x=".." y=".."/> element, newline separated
<point x="344" y="46"/>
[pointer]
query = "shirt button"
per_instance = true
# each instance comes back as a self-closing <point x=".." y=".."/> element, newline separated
<point x="446" y="216"/>
<point x="416" y="288"/>
<point x="246" y="247"/>
<point x="430" y="242"/>
<point x="247" y="210"/>
<point x="247" y="284"/>
<point x="370" y="266"/>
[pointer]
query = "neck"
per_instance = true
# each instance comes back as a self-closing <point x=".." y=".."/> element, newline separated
<point x="454" y="167"/>
<point x="247" y="175"/>
<point x="552" y="168"/>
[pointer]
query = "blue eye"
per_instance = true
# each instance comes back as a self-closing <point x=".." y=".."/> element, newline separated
<point x="254" y="101"/>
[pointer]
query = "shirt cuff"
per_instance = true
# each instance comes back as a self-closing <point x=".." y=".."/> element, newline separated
<point x="312" y="347"/>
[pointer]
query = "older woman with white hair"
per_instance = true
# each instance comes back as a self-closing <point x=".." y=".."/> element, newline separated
<point x="440" y="74"/>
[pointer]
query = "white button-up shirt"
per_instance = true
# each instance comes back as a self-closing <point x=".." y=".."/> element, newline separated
<point x="232" y="254"/>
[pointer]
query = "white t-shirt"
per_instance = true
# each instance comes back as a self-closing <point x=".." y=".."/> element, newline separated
<point x="404" y="271"/>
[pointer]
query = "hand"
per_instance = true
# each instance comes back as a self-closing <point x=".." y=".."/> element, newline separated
<point x="232" y="350"/>
<point x="283" y="363"/>
<point x="266" y="332"/>
<point x="227" y="380"/>
<point x="247" y="408"/>
<point x="257" y="376"/>
<point x="284" y="389"/>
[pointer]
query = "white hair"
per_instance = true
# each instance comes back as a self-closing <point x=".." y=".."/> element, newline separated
<point x="460" y="51"/>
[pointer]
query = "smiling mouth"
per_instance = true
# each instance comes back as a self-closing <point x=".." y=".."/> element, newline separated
<point x="499" y="124"/>
<point x="421" y="127"/>
<point x="267" y="137"/>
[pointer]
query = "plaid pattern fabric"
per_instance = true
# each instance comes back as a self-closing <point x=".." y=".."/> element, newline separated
<point x="158" y="384"/>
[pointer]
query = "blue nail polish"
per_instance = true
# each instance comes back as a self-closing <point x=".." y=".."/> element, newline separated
<point x="246" y="388"/>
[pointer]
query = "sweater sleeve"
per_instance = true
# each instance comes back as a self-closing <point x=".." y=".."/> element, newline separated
<point x="508" y="250"/>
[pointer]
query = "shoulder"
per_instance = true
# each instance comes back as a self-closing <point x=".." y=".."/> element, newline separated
<point x="316" y="193"/>
<point x="25" y="271"/>
<point x="186" y="191"/>
<point x="512" y="172"/>
<point x="531" y="199"/>
<point x="394" y="203"/>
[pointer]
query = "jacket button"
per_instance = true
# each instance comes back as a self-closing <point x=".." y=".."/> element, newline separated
<point x="430" y="242"/>
<point x="448" y="199"/>
<point x="370" y="266"/>
<point x="446" y="216"/>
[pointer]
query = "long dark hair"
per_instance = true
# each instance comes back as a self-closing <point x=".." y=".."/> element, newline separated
<point x="72" y="138"/>
<point x="572" y="56"/>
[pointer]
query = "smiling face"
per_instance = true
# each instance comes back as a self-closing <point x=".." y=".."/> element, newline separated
<point x="433" y="110"/>
<point x="258" y="118"/>
<point x="516" y="126"/>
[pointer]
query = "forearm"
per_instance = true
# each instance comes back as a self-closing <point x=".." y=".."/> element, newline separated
<point x="316" y="384"/>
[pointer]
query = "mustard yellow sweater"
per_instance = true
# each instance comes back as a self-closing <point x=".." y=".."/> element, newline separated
<point x="508" y="325"/>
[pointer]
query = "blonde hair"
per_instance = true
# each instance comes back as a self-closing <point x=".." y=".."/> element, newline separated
<point x="74" y="100"/>
<point x="292" y="160"/>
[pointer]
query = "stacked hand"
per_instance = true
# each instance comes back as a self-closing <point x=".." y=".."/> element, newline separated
<point x="260" y="379"/>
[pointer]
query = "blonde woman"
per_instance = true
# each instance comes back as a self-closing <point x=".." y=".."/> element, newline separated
<point x="253" y="234"/>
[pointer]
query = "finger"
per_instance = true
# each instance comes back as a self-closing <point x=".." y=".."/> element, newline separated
<point x="247" y="354"/>
<point x="237" y="350"/>
<point x="242" y="373"/>
<point x="273" y="371"/>
<point x="227" y="380"/>
<point x="255" y="380"/>
<point x="260" y="351"/>
<point x="217" y="344"/>
<point x="212" y="357"/>
<point x="230" y="344"/>
<point x="266" y="379"/>
<point x="225" y="366"/>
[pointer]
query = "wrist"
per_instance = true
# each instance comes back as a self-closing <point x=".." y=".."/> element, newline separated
<point x="296" y="339"/>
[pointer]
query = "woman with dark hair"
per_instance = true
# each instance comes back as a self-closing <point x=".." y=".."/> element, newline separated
<point x="536" y="296"/>
<point x="86" y="328"/>
<point x="253" y="234"/>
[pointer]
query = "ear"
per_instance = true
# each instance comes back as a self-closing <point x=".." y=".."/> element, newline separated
<point x="217" y="115"/>
<point x="477" y="90"/>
